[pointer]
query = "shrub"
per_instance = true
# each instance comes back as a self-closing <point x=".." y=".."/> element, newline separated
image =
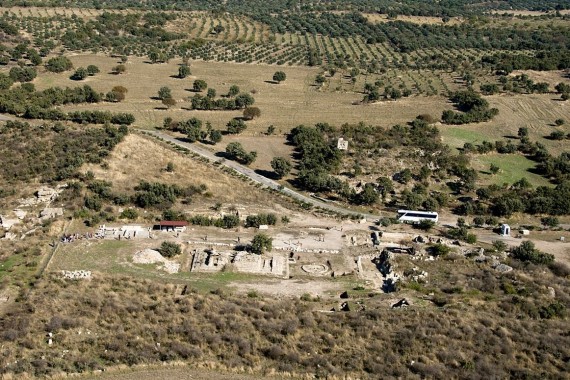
<point x="439" y="249"/>
<point x="279" y="76"/>
<point x="527" y="252"/>
<point x="58" y="64"/>
<point x="129" y="213"/>
<point x="169" y="249"/>
<point x="426" y="225"/>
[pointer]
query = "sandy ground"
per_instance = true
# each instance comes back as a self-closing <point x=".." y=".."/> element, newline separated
<point x="293" y="288"/>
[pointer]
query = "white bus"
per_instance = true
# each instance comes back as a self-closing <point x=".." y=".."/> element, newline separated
<point x="414" y="216"/>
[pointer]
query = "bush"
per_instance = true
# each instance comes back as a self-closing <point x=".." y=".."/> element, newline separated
<point x="129" y="213"/>
<point x="439" y="249"/>
<point x="426" y="225"/>
<point x="169" y="249"/>
<point x="279" y="76"/>
<point x="527" y="252"/>
<point x="58" y="64"/>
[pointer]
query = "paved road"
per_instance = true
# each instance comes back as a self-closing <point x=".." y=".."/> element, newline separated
<point x="257" y="177"/>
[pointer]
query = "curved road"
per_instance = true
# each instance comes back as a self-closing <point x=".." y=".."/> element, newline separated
<point x="250" y="173"/>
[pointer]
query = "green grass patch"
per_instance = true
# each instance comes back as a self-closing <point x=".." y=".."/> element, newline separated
<point x="18" y="268"/>
<point x="512" y="167"/>
<point x="457" y="136"/>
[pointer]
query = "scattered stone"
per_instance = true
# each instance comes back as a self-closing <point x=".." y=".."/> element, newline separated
<point x="7" y="223"/>
<point x="76" y="275"/>
<point x="20" y="214"/>
<point x="50" y="213"/>
<point x="551" y="292"/>
<point x="503" y="268"/>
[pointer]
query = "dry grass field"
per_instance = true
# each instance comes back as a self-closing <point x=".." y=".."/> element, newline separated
<point x="138" y="158"/>
<point x="293" y="102"/>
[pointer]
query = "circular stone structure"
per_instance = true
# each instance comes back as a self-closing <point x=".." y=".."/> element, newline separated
<point x="317" y="269"/>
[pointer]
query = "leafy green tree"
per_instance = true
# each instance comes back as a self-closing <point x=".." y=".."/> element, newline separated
<point x="211" y="94"/>
<point x="244" y="100"/>
<point x="261" y="243"/>
<point x="235" y="150"/>
<point x="281" y="166"/>
<point x="156" y="56"/>
<point x="559" y="122"/>
<point x="522" y="132"/>
<point x="183" y="71"/>
<point x="494" y="168"/>
<point x="58" y="64"/>
<point x="215" y="136"/>
<point x="169" y="249"/>
<point x="367" y="196"/>
<point x="385" y="186"/>
<point x="234" y="90"/>
<point x="236" y="126"/>
<point x="199" y="85"/>
<point x="279" y="76"/>
<point x="23" y="74"/>
<point x="79" y="74"/>
<point x="164" y="93"/>
<point x="34" y="57"/>
<point x="5" y="82"/>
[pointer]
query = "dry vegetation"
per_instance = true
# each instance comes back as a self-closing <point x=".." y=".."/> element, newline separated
<point x="138" y="158"/>
<point x="113" y="320"/>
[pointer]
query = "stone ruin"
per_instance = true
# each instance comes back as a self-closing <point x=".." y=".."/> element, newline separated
<point x="43" y="195"/>
<point x="417" y="275"/>
<point x="76" y="274"/>
<point x="315" y="269"/>
<point x="50" y="213"/>
<point x="384" y="263"/>
<point x="252" y="263"/>
<point x="210" y="260"/>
